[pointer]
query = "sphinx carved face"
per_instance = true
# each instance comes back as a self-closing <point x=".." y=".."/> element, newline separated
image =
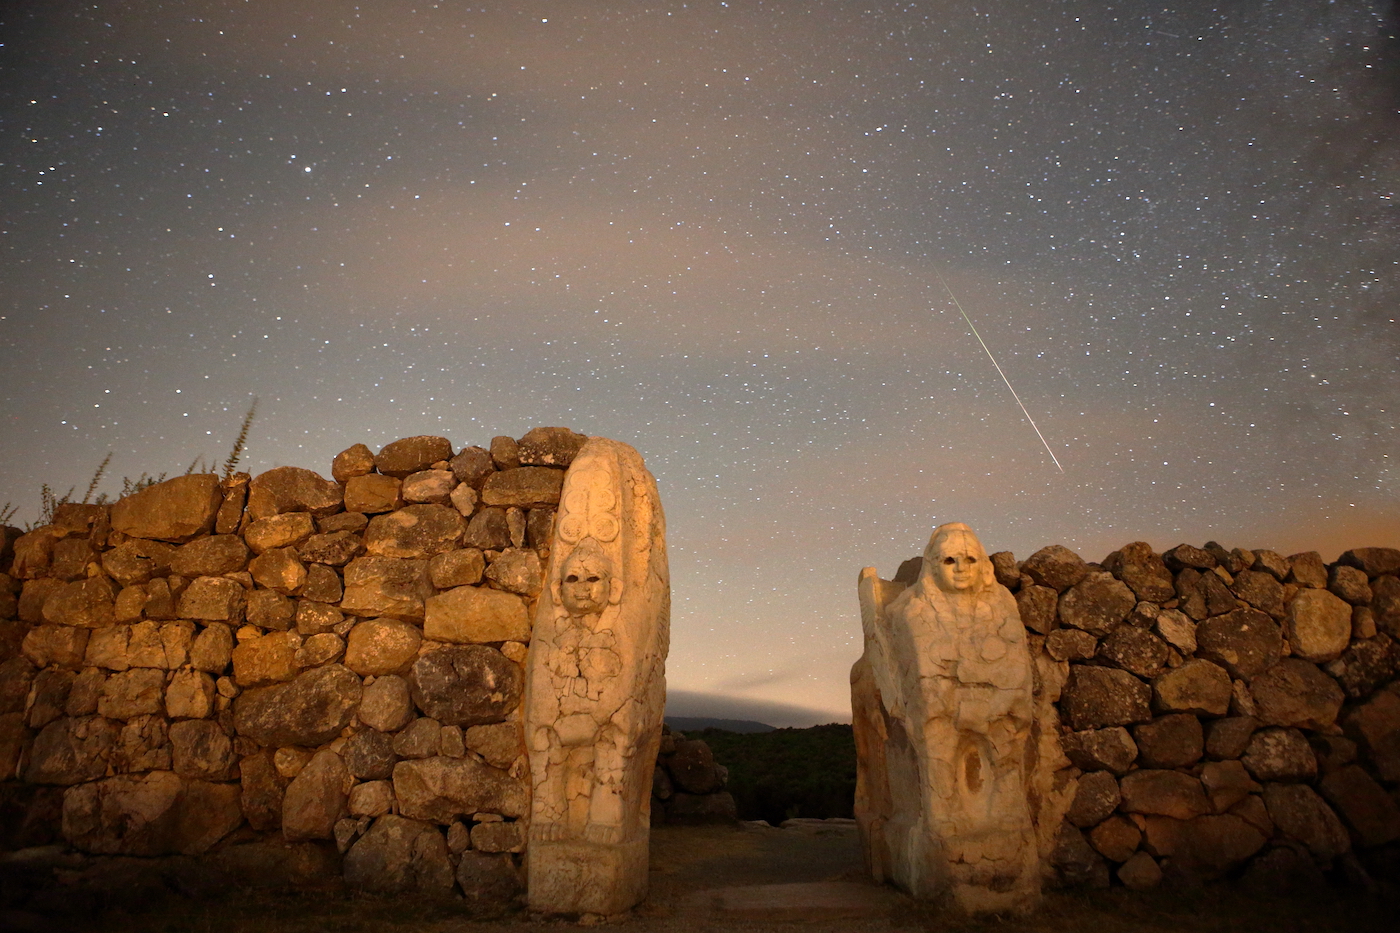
<point x="958" y="562"/>
<point x="585" y="584"/>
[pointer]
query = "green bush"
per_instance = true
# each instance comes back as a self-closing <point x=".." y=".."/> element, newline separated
<point x="788" y="773"/>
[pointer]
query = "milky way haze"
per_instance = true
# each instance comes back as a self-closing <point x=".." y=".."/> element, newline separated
<point x="714" y="231"/>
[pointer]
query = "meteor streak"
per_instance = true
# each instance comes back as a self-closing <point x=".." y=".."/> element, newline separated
<point x="957" y="304"/>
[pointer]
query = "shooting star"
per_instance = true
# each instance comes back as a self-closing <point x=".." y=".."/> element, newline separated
<point x="957" y="304"/>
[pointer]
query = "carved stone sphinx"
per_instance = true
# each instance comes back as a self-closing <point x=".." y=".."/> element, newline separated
<point x="943" y="709"/>
<point x="596" y="688"/>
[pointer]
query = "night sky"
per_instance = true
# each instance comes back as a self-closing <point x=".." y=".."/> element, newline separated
<point x="716" y="231"/>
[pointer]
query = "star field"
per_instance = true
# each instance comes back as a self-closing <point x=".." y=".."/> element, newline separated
<point x="715" y="230"/>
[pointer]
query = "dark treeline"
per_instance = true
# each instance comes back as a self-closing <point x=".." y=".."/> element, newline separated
<point x="788" y="773"/>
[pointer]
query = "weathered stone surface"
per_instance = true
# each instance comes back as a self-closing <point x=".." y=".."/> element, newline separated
<point x="292" y="489"/>
<point x="318" y="649"/>
<point x="279" y="569"/>
<point x="373" y="494"/>
<point x="1260" y="589"/>
<point x="1196" y="686"/>
<point x="1102" y="696"/>
<point x="1278" y="754"/>
<point x="1349" y="584"/>
<point x="539" y="527"/>
<point x="1070" y="644"/>
<point x="269" y="659"/>
<point x="1219" y="599"/>
<point x="474" y="615"/>
<point x="1140" y="873"/>
<point x="1185" y="556"/>
<point x="60" y="645"/>
<point x="353" y="522"/>
<point x="415" y="531"/>
<point x="289" y="529"/>
<point x="316" y="798"/>
<point x="190" y="695"/>
<point x="499" y="743"/>
<point x="1134" y="650"/>
<point x="462" y="567"/>
<point x="1095" y="798"/>
<point x="1373" y="561"/>
<point x="1166" y="793"/>
<point x="155" y="814"/>
<point x="1055" y="566"/>
<point x="84" y="603"/>
<point x="1211" y="846"/>
<point x="1143" y="571"/>
<point x="336" y="548"/>
<point x="1096" y="604"/>
<point x="355" y="460"/>
<point x="210" y="557"/>
<point x="1174" y="741"/>
<point x="487" y="879"/>
<point x="441" y="789"/>
<point x="419" y="739"/>
<point x="261" y="789"/>
<point x="466" y="685"/>
<point x="1295" y="693"/>
<point x="86" y="690"/>
<point x="382" y="646"/>
<point x="212" y="649"/>
<point x="429" y="486"/>
<point x="555" y="447"/>
<point x="1037" y="606"/>
<point x="1372" y="814"/>
<point x="1245" y="642"/>
<point x="488" y="530"/>
<point x="1272" y="563"/>
<point x="1116" y="839"/>
<point x="1299" y="812"/>
<point x="371" y="799"/>
<point x="1227" y="783"/>
<point x="136" y="561"/>
<point x="1385" y="604"/>
<point x="310" y="710"/>
<point x="411" y="454"/>
<point x="498" y="836"/>
<point x="386" y="586"/>
<point x="524" y="487"/>
<point x="143" y="745"/>
<point x="200" y="749"/>
<point x="212" y="599"/>
<point x="369" y="755"/>
<point x="175" y="510"/>
<point x="398" y="856"/>
<point x="315" y="618"/>
<point x="1333" y="752"/>
<point x="1227" y="738"/>
<point x="1375" y="726"/>
<point x="48" y="697"/>
<point x="472" y="466"/>
<point x="270" y="610"/>
<point x="517" y="570"/>
<point x="692" y="767"/>
<point x="1075" y="861"/>
<point x="1101" y="749"/>
<point x="464" y="499"/>
<point x="1318" y="625"/>
<point x="138" y="692"/>
<point x="16" y="674"/>
<point x="69" y="751"/>
<point x="1307" y="569"/>
<point x="387" y="705"/>
<point x="505" y="452"/>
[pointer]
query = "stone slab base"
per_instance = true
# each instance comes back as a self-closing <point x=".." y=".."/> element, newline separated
<point x="821" y="900"/>
<point x="587" y="877"/>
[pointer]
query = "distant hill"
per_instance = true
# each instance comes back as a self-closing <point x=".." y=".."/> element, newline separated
<point x="696" y="723"/>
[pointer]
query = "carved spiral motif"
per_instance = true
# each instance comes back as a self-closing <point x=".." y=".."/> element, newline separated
<point x="589" y="508"/>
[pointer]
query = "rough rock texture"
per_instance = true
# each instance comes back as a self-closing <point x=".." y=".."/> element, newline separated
<point x="1197" y="686"/>
<point x="292" y="489"/>
<point x="310" y="710"/>
<point x="400" y="855"/>
<point x="1097" y="604"/>
<point x="1101" y="696"/>
<point x="316" y="798"/>
<point x="1318" y="625"/>
<point x="158" y="813"/>
<point x="1110" y="749"/>
<point x="1277" y="754"/>
<point x="175" y="510"/>
<point x="382" y="646"/>
<point x="471" y="615"/>
<point x="1245" y="642"/>
<point x="1295" y="693"/>
<point x="441" y="789"/>
<point x="466" y="685"/>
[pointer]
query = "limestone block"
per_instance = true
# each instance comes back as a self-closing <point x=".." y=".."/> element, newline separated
<point x="441" y="789"/>
<point x="59" y="645"/>
<point x="268" y="659"/>
<point x="1075" y="861"/>
<point x="1135" y="650"/>
<point x="386" y="586"/>
<point x="316" y="798"/>
<point x="200" y="749"/>
<point x="1227" y="783"/>
<point x="1111" y="749"/>
<point x="70" y="751"/>
<point x="382" y="646"/>
<point x="475" y="615"/>
<point x="136" y="561"/>
<point x="212" y="599"/>
<point x="1277" y="754"/>
<point x="131" y="604"/>
<point x="334" y="549"/>
<point x="48" y="697"/>
<point x="315" y="618"/>
<point x="1318" y="625"/>
<point x="1177" y="630"/>
<point x="1375" y="726"/>
<point x="137" y="692"/>
<point x="373" y="494"/>
<point x="210" y="557"/>
<point x="320" y="649"/>
<point x="371" y="799"/>
<point x="415" y="531"/>
<point x="369" y="756"/>
<point x="230" y="516"/>
<point x="16" y="674"/>
<point x="1116" y="839"/>
<point x="279" y="569"/>
<point x="516" y="570"/>
<point x="1385" y="604"/>
<point x="1372" y="814"/>
<point x="429" y="486"/>
<point x="1140" y="873"/>
<point x="419" y="739"/>
<point x="14" y="742"/>
<point x="1070" y="644"/>
<point x="1373" y="561"/>
<point x="411" y="454"/>
<point x="1164" y="793"/>
<point x="1295" y="693"/>
<point x="499" y="743"/>
<point x="1275" y="565"/>
<point x="1143" y="571"/>
<point x="261" y="790"/>
<point x="387" y="705"/>
<point x="398" y="856"/>
<point x="555" y="447"/>
<point x="190" y="695"/>
<point x="309" y="711"/>
<point x="212" y="649"/>
<point x="1364" y="666"/>
<point x="71" y="559"/>
<point x="175" y="510"/>
<point x="1299" y="812"/>
<point x="161" y="594"/>
<point x="292" y="489"/>
<point x="144" y="647"/>
<point x="499" y="836"/>
<point x="1185" y="556"/>
<point x="466" y="685"/>
<point x="1096" y="604"/>
<point x="1055" y="566"/>
<point x="1213" y="845"/>
<point x="461" y="567"/>
<point x="523" y="487"/>
<point x="270" y="610"/>
<point x="1307" y="569"/>
<point x="1350" y="584"/>
<point x="488" y="530"/>
<point x="322" y="584"/>
<point x="289" y="529"/>
<point x="472" y="466"/>
<point x="1172" y="741"/>
<point x="1102" y="696"/>
<point x="351" y="521"/>
<point x="106" y="648"/>
<point x="356" y="460"/>
<point x="539" y="527"/>
<point x="154" y="814"/>
<point x="1095" y="798"/>
<point x="1245" y="642"/>
<point x="1037" y="606"/>
<point x="1197" y="686"/>
<point x="86" y="603"/>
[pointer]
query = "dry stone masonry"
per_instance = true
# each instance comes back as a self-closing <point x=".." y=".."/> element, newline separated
<point x="1204" y="713"/>
<point x="234" y="667"/>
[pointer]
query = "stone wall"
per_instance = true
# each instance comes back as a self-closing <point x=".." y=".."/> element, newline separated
<point x="1222" y="713"/>
<point x="209" y="666"/>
